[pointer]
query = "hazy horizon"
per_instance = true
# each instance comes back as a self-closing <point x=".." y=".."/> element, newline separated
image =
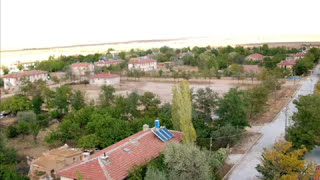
<point x="37" y="23"/>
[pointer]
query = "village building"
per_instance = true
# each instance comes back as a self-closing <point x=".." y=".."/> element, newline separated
<point x="13" y="81"/>
<point x="181" y="55"/>
<point x="251" y="69"/>
<point x="82" y="69"/>
<point x="142" y="64"/>
<point x="54" y="160"/>
<point x="254" y="57"/>
<point x="150" y="56"/>
<point x="115" y="161"/>
<point x="104" y="79"/>
<point x="287" y="64"/>
<point x="299" y="55"/>
<point x="108" y="62"/>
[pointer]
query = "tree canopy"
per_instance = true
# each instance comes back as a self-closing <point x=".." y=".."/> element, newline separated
<point x="282" y="162"/>
<point x="306" y="128"/>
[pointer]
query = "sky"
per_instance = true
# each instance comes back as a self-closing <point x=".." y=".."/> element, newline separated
<point x="45" y="23"/>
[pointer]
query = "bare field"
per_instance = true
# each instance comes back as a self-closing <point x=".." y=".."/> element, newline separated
<point x="162" y="89"/>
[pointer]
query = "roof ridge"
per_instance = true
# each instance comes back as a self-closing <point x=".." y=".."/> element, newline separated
<point x="107" y="153"/>
<point x="105" y="171"/>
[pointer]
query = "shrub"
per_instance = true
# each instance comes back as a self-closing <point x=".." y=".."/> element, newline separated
<point x="12" y="131"/>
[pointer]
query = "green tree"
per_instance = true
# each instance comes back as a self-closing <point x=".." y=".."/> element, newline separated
<point x="77" y="100"/>
<point x="282" y="162"/>
<point x="186" y="161"/>
<point x="1" y="82"/>
<point x="306" y="128"/>
<point x="233" y="108"/>
<point x="206" y="100"/>
<point x="20" y="67"/>
<point x="27" y="116"/>
<point x="7" y="173"/>
<point x="226" y="135"/>
<point x="151" y="103"/>
<point x="37" y="103"/>
<point x="16" y="103"/>
<point x="23" y="128"/>
<point x="303" y="66"/>
<point x="258" y="97"/>
<point x="236" y="70"/>
<point x="61" y="99"/>
<point x="182" y="111"/>
<point x="155" y="174"/>
<point x="34" y="128"/>
<point x="107" y="95"/>
<point x="5" y="70"/>
<point x="8" y="155"/>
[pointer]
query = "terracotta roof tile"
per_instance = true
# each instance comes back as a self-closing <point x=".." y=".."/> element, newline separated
<point x="25" y="73"/>
<point x="149" y="146"/>
<point x="141" y="61"/>
<point x="255" y="56"/>
<point x="251" y="68"/>
<point x="288" y="62"/>
<point x="80" y="64"/>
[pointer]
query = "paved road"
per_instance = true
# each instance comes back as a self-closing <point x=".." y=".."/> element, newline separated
<point x="271" y="132"/>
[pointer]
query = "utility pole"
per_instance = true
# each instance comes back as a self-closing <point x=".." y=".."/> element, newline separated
<point x="210" y="144"/>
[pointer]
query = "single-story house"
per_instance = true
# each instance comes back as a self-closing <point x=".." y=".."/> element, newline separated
<point x="104" y="79"/>
<point x="249" y="69"/>
<point x="115" y="161"/>
<point x="14" y="80"/>
<point x="54" y="160"/>
<point x="142" y="64"/>
<point x="287" y="64"/>
<point x="254" y="57"/>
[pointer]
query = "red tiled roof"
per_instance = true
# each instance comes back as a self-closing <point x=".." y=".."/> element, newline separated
<point x="104" y="76"/>
<point x="149" y="146"/>
<point x="255" y="56"/>
<point x="80" y="64"/>
<point x="301" y="55"/>
<point x="318" y="173"/>
<point x="288" y="62"/>
<point x="141" y="61"/>
<point x="251" y="68"/>
<point x="181" y="55"/>
<point x="25" y="73"/>
<point x="149" y="55"/>
<point x="110" y="61"/>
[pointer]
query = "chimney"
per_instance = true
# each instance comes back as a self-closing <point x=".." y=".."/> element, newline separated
<point x="105" y="159"/>
<point x="157" y="124"/>
<point x="85" y="156"/>
<point x="145" y="127"/>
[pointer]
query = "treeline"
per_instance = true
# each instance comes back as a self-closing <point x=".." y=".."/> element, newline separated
<point x="203" y="57"/>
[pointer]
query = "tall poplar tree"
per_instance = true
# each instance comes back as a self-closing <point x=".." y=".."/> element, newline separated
<point x="182" y="111"/>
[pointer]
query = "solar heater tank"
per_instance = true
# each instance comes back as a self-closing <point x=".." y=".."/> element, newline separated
<point x="157" y="123"/>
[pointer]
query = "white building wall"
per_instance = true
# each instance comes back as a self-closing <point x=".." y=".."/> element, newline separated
<point x="149" y="66"/>
<point x="65" y="178"/>
<point x="105" y="81"/>
<point x="82" y="70"/>
<point x="14" y="83"/>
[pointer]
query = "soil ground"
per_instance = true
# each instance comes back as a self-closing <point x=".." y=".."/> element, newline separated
<point x="27" y="146"/>
<point x="162" y="89"/>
